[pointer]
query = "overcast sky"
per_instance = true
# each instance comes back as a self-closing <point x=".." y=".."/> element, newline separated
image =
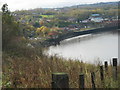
<point x="30" y="4"/>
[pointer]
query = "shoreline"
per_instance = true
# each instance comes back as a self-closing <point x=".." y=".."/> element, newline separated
<point x="57" y="41"/>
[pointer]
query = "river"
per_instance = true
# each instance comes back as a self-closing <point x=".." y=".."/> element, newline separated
<point x="91" y="48"/>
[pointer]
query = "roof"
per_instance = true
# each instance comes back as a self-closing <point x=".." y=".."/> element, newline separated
<point x="95" y="15"/>
<point x="53" y="33"/>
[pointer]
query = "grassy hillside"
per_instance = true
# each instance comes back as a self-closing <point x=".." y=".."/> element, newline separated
<point x="26" y="67"/>
<point x="35" y="71"/>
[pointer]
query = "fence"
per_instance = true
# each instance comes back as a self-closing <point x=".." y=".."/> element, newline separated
<point x="61" y="80"/>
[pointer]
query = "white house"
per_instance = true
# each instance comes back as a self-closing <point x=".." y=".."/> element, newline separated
<point x="96" y="18"/>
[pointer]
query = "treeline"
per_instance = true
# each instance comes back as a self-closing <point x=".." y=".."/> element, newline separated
<point x="82" y="12"/>
<point x="106" y="10"/>
<point x="62" y="17"/>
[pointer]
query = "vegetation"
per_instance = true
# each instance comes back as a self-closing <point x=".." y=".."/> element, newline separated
<point x="36" y="72"/>
<point x="10" y="28"/>
<point x="28" y="67"/>
<point x="47" y="16"/>
<point x="67" y="17"/>
<point x="80" y="12"/>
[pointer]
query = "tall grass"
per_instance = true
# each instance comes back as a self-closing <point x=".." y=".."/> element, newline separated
<point x="33" y="70"/>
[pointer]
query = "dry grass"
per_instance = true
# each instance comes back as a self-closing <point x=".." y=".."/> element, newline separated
<point x="35" y="72"/>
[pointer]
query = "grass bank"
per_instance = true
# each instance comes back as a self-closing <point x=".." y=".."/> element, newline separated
<point x="33" y="70"/>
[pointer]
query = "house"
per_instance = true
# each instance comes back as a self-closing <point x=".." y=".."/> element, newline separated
<point x="53" y="34"/>
<point x="96" y="18"/>
<point x="86" y="21"/>
<point x="71" y="20"/>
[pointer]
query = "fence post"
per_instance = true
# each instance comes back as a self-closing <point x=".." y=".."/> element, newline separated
<point x="93" y="80"/>
<point x="60" y="80"/>
<point x="106" y="66"/>
<point x="115" y="68"/>
<point x="81" y="81"/>
<point x="101" y="73"/>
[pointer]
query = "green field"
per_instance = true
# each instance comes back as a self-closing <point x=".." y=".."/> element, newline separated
<point x="47" y="16"/>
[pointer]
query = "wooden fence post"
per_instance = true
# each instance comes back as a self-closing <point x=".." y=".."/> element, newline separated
<point x="102" y="76"/>
<point x="93" y="80"/>
<point x="60" y="80"/>
<point x="106" y="66"/>
<point x="81" y="81"/>
<point x="101" y="73"/>
<point x="115" y="68"/>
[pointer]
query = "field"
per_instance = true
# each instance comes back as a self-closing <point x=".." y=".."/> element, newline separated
<point x="47" y="16"/>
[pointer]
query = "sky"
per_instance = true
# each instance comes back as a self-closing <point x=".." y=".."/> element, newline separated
<point x="31" y="4"/>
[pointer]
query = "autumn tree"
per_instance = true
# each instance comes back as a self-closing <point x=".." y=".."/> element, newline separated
<point x="42" y="30"/>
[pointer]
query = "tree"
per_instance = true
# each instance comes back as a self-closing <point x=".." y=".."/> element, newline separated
<point x="10" y="28"/>
<point x="44" y="30"/>
<point x="36" y="24"/>
<point x="5" y="8"/>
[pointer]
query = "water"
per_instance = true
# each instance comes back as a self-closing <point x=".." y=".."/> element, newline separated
<point x="88" y="48"/>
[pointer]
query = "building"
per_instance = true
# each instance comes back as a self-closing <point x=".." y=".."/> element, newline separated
<point x="53" y="34"/>
<point x="96" y="18"/>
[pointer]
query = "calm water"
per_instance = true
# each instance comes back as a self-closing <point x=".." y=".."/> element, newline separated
<point x="88" y="48"/>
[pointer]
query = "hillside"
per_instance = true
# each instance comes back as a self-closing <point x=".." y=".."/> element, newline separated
<point x="26" y="66"/>
<point x="106" y="5"/>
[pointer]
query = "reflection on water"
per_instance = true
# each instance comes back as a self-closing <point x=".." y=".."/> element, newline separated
<point x="88" y="48"/>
